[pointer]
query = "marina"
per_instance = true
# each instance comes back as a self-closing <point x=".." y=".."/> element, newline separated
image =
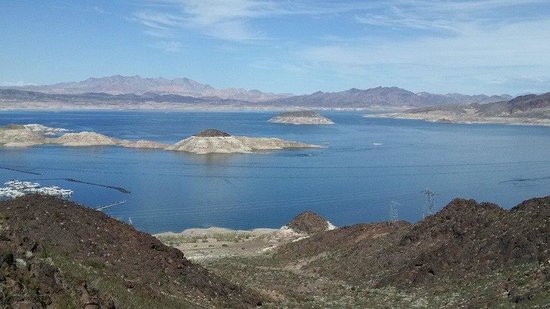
<point x="15" y="188"/>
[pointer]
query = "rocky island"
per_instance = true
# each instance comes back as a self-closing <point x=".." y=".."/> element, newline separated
<point x="306" y="117"/>
<point x="205" y="142"/>
<point x="15" y="135"/>
<point x="216" y="141"/>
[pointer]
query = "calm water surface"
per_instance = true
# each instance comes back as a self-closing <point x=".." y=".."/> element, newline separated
<point x="367" y="163"/>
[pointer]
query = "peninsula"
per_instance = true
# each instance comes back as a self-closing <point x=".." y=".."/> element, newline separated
<point x="522" y="110"/>
<point x="306" y="117"/>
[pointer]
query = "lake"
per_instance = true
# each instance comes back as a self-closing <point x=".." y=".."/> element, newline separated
<point x="366" y="164"/>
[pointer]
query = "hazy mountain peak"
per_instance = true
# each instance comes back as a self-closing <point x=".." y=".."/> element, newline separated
<point x="135" y="84"/>
<point x="382" y="98"/>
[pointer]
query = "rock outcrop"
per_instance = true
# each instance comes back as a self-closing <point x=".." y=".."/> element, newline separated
<point x="309" y="223"/>
<point x="13" y="135"/>
<point x="212" y="133"/>
<point x="301" y="117"/>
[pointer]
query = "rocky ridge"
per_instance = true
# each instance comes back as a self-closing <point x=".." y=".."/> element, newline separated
<point x="467" y="255"/>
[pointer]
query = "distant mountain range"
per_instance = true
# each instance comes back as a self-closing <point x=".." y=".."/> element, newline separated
<point x="138" y="85"/>
<point x="383" y="97"/>
<point x="135" y="89"/>
<point x="105" y="98"/>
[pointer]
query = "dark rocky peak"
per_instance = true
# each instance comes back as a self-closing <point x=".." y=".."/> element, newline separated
<point x="302" y="113"/>
<point x="459" y="218"/>
<point x="212" y="133"/>
<point x="536" y="205"/>
<point x="308" y="222"/>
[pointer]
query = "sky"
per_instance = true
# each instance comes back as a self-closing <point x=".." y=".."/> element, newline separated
<point x="470" y="47"/>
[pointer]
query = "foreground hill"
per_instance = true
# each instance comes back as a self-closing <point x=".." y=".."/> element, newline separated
<point x="54" y="253"/>
<point x="467" y="255"/>
<point x="528" y="109"/>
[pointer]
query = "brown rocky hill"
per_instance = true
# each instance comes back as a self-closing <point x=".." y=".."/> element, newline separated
<point x="212" y="133"/>
<point x="490" y="251"/>
<point x="54" y="253"/>
<point x="309" y="223"/>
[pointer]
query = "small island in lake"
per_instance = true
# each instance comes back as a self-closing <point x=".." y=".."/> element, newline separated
<point x="301" y="117"/>
<point x="216" y="141"/>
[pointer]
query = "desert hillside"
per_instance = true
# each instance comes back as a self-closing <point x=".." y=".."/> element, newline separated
<point x="469" y="254"/>
<point x="57" y="254"/>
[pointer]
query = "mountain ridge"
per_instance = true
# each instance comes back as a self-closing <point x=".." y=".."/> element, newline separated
<point x="393" y="97"/>
<point x="120" y="86"/>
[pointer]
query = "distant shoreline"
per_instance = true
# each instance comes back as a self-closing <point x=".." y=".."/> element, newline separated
<point x="182" y="107"/>
<point x="448" y="120"/>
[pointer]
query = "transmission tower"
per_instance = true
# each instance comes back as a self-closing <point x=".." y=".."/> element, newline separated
<point x="429" y="205"/>
<point x="394" y="215"/>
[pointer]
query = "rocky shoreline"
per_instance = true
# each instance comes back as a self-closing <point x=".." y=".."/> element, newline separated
<point x="449" y="118"/>
<point x="523" y="110"/>
<point x="200" y="244"/>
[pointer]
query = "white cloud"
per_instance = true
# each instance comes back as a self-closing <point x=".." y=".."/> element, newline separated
<point x="168" y="46"/>
<point x="473" y="45"/>
<point x="475" y="57"/>
<point x="226" y="20"/>
<point x="475" y="41"/>
<point x="233" y="20"/>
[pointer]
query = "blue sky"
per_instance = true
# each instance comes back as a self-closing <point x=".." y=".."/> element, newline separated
<point x="477" y="46"/>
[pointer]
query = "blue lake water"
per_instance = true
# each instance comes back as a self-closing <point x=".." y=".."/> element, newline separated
<point x="367" y="163"/>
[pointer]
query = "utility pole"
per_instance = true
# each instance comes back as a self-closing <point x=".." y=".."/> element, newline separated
<point x="429" y="205"/>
